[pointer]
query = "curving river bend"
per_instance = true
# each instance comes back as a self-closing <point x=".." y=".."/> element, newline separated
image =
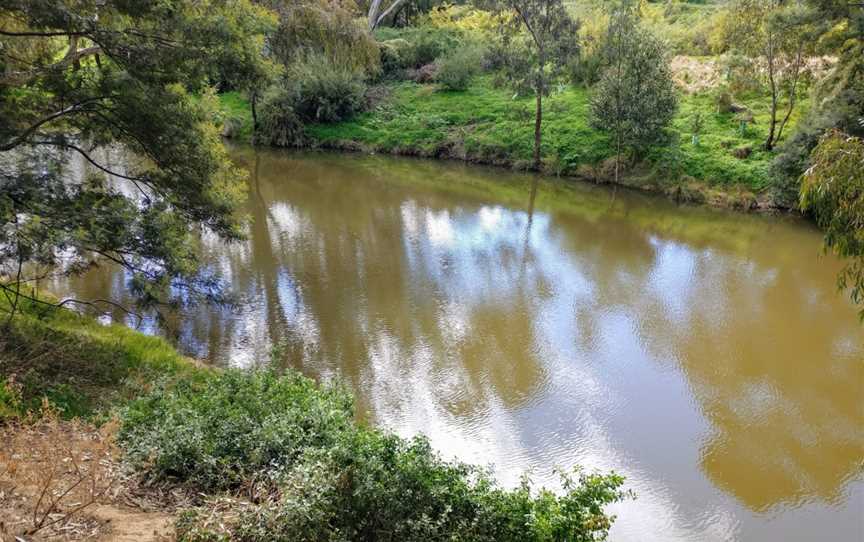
<point x="705" y="355"/>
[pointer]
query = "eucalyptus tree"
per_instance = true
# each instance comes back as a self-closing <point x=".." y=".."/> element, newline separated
<point x="380" y="10"/>
<point x="77" y="77"/>
<point x="635" y="98"/>
<point x="539" y="37"/>
<point x="780" y="38"/>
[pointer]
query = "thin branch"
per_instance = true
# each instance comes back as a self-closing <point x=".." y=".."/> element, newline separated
<point x="76" y="108"/>
<point x="82" y="152"/>
<point x="94" y="303"/>
<point x="21" y="78"/>
<point x="35" y="34"/>
<point x="71" y="301"/>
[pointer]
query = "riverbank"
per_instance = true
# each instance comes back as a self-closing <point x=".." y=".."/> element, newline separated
<point x="109" y="431"/>
<point x="725" y="167"/>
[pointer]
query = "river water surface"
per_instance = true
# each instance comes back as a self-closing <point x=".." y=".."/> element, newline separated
<point x="707" y="356"/>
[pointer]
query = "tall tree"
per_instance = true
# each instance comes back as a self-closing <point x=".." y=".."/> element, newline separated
<point x="779" y="37"/>
<point x="832" y="190"/>
<point x="836" y="101"/>
<point x="77" y="76"/>
<point x="539" y="38"/>
<point x="635" y="98"/>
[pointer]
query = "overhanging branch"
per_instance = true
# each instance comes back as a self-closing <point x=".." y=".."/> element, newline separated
<point x="21" y="78"/>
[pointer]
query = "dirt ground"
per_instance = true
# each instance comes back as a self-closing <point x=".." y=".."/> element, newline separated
<point x="61" y="481"/>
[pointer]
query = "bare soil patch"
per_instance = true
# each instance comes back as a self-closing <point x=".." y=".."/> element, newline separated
<point x="61" y="481"/>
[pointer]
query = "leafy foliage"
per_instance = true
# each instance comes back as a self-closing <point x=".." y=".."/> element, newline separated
<point x="84" y="76"/>
<point x="777" y="39"/>
<point x="231" y="428"/>
<point x="325" y="92"/>
<point x="313" y="90"/>
<point x="328" y="479"/>
<point x="635" y="99"/>
<point x="833" y="191"/>
<point x="278" y="123"/>
<point x="413" y="47"/>
<point x="838" y="99"/>
<point x="327" y="28"/>
<point x="539" y="40"/>
<point x="458" y="69"/>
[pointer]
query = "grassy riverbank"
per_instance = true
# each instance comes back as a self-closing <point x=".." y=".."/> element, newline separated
<point x="484" y="124"/>
<point x="83" y="368"/>
<point x="232" y="455"/>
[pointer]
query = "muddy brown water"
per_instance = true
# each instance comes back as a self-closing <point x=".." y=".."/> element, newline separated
<point x="705" y="355"/>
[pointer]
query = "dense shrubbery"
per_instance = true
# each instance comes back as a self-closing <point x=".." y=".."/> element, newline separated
<point x="233" y="427"/>
<point x="457" y="69"/>
<point x="313" y="90"/>
<point x="324" y="27"/>
<point x="278" y="124"/>
<point x="413" y="47"/>
<point x="325" y="92"/>
<point x="329" y="479"/>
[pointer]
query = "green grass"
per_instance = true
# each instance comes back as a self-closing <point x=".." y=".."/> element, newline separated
<point x="79" y="365"/>
<point x="236" y="115"/>
<point x="487" y="125"/>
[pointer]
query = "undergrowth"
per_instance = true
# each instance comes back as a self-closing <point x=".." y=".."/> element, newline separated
<point x="300" y="469"/>
<point x="79" y="365"/>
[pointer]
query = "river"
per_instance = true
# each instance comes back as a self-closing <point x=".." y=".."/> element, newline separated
<point x="705" y="355"/>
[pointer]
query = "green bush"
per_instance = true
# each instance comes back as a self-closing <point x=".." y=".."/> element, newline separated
<point x="425" y="44"/>
<point x="381" y="488"/>
<point x="457" y="69"/>
<point x="325" y="92"/>
<point x="330" y="479"/>
<point x="278" y="124"/>
<point x="231" y="428"/>
<point x="10" y="400"/>
<point x="394" y="57"/>
<point x="586" y="70"/>
<point x="314" y="90"/>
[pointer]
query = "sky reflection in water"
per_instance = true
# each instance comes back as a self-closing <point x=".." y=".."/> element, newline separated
<point x="706" y="356"/>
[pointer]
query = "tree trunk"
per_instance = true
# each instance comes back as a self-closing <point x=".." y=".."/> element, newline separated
<point x="374" y="18"/>
<point x="795" y="75"/>
<point x="769" y="143"/>
<point x="538" y="120"/>
<point x="373" y="13"/>
<point x="73" y="53"/>
<point x="253" y="101"/>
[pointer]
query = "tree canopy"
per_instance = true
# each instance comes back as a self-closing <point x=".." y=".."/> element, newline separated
<point x="832" y="190"/>
<point x="539" y="38"/>
<point x="635" y="98"/>
<point x="77" y="77"/>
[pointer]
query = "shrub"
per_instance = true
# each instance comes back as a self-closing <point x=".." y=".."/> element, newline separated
<point x="10" y="399"/>
<point x="585" y="70"/>
<point x="330" y="479"/>
<point x="278" y="124"/>
<point x="458" y="69"/>
<point x="325" y="92"/>
<point x="313" y="90"/>
<point x="394" y="56"/>
<point x="425" y="44"/>
<point x="231" y="428"/>
<point x="387" y="489"/>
